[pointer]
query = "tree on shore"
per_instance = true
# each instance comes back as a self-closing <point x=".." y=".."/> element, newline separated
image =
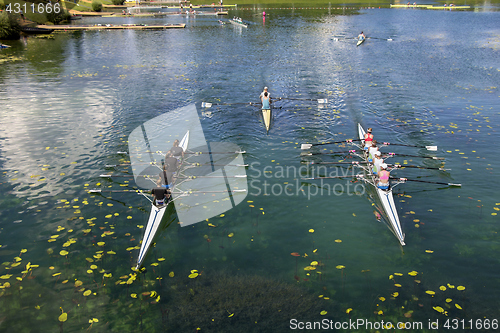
<point x="9" y="26"/>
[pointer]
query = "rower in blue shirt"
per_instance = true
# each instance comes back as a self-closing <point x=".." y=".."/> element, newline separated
<point x="266" y="101"/>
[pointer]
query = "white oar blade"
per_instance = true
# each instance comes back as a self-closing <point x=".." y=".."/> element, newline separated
<point x="206" y="105"/>
<point x="306" y="146"/>
<point x="433" y="148"/>
<point x="322" y="101"/>
<point x="105" y="176"/>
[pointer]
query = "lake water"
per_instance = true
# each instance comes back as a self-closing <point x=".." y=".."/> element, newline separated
<point x="421" y="78"/>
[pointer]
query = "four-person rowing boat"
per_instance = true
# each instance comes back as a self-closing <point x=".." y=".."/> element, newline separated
<point x="157" y="212"/>
<point x="385" y="196"/>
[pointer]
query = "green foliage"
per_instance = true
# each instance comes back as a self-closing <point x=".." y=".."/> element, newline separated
<point x="57" y="18"/>
<point x="9" y="26"/>
<point x="96" y="6"/>
<point x="118" y="2"/>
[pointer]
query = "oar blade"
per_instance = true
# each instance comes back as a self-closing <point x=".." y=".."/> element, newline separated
<point x="306" y="146"/>
<point x="206" y="105"/>
<point x="432" y="148"/>
<point x="323" y="101"/>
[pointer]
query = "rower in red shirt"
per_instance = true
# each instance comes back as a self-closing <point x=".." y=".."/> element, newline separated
<point x="368" y="138"/>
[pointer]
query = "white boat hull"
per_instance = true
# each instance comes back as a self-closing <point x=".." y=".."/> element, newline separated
<point x="266" y="115"/>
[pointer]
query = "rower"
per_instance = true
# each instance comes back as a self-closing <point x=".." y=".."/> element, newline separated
<point x="368" y="138"/>
<point x="266" y="101"/>
<point x="372" y="150"/>
<point x="169" y="169"/>
<point x="265" y="91"/>
<point x="377" y="162"/>
<point x="361" y="36"/>
<point x="160" y="196"/>
<point x="176" y="151"/>
<point x="383" y="177"/>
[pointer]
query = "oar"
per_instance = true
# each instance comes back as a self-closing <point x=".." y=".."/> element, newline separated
<point x="146" y="191"/>
<point x="320" y="100"/>
<point x="189" y="177"/>
<point x="353" y="162"/>
<point x="424" y="181"/>
<point x="388" y="39"/>
<point x="115" y="191"/>
<point x="195" y="177"/>
<point x="186" y="153"/>
<point x="404" y="155"/>
<point x="192" y="164"/>
<point x="209" y="105"/>
<point x="434" y="148"/>
<point x="305" y="146"/>
<point x="330" y="152"/>
<point x="331" y="177"/>
<point x="399" y="166"/>
<point x="227" y="191"/>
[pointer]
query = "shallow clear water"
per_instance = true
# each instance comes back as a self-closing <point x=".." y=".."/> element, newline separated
<point x="69" y="104"/>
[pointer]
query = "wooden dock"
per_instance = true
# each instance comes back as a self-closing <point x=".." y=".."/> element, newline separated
<point x="162" y="14"/>
<point x="430" y="6"/>
<point x="112" y="27"/>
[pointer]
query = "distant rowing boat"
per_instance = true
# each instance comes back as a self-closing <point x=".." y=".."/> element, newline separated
<point x="238" y="23"/>
<point x="156" y="215"/>
<point x="360" y="41"/>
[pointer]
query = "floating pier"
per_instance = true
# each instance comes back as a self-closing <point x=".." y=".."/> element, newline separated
<point x="112" y="27"/>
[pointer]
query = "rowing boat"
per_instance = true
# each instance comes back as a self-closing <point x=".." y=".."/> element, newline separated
<point x="156" y="216"/>
<point x="238" y="23"/>
<point x="385" y="196"/>
<point x="360" y="41"/>
<point x="266" y="115"/>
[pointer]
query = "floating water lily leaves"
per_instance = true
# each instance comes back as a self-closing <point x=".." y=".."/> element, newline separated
<point x="78" y="283"/>
<point x="87" y="292"/>
<point x="323" y="312"/>
<point x="63" y="316"/>
<point x="438" y="309"/>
